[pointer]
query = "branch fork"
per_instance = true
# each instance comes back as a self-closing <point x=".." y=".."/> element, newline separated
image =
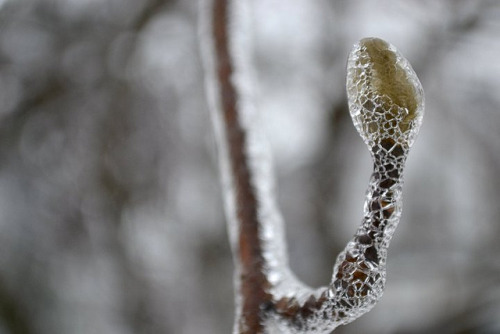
<point x="386" y="103"/>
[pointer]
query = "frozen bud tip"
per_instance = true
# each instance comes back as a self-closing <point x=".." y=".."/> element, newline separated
<point x="386" y="99"/>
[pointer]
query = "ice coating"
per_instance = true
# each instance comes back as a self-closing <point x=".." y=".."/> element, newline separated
<point x="255" y="224"/>
<point x="386" y="104"/>
<point x="386" y="99"/>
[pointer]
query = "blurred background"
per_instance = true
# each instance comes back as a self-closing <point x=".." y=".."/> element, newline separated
<point x="111" y="218"/>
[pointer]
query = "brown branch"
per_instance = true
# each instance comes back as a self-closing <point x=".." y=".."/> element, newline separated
<point x="253" y="282"/>
<point x="257" y="301"/>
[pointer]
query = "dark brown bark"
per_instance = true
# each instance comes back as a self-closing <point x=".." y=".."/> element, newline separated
<point x="253" y="282"/>
<point x="257" y="302"/>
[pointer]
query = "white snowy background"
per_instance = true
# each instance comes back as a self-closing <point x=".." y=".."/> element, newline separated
<point x="111" y="215"/>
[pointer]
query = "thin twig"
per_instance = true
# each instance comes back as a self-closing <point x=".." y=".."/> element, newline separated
<point x="253" y="281"/>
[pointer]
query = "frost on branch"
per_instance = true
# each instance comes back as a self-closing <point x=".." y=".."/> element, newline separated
<point x="386" y="105"/>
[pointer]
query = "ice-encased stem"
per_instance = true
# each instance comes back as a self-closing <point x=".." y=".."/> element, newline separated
<point x="269" y="297"/>
<point x="255" y="225"/>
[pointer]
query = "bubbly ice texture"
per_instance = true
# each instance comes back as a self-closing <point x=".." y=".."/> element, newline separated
<point x="386" y="99"/>
<point x="386" y="103"/>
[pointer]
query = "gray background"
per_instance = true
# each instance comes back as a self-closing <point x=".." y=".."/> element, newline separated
<point x="111" y="216"/>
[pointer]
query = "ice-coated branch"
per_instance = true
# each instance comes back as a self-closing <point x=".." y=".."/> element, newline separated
<point x="254" y="223"/>
<point x="386" y="104"/>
